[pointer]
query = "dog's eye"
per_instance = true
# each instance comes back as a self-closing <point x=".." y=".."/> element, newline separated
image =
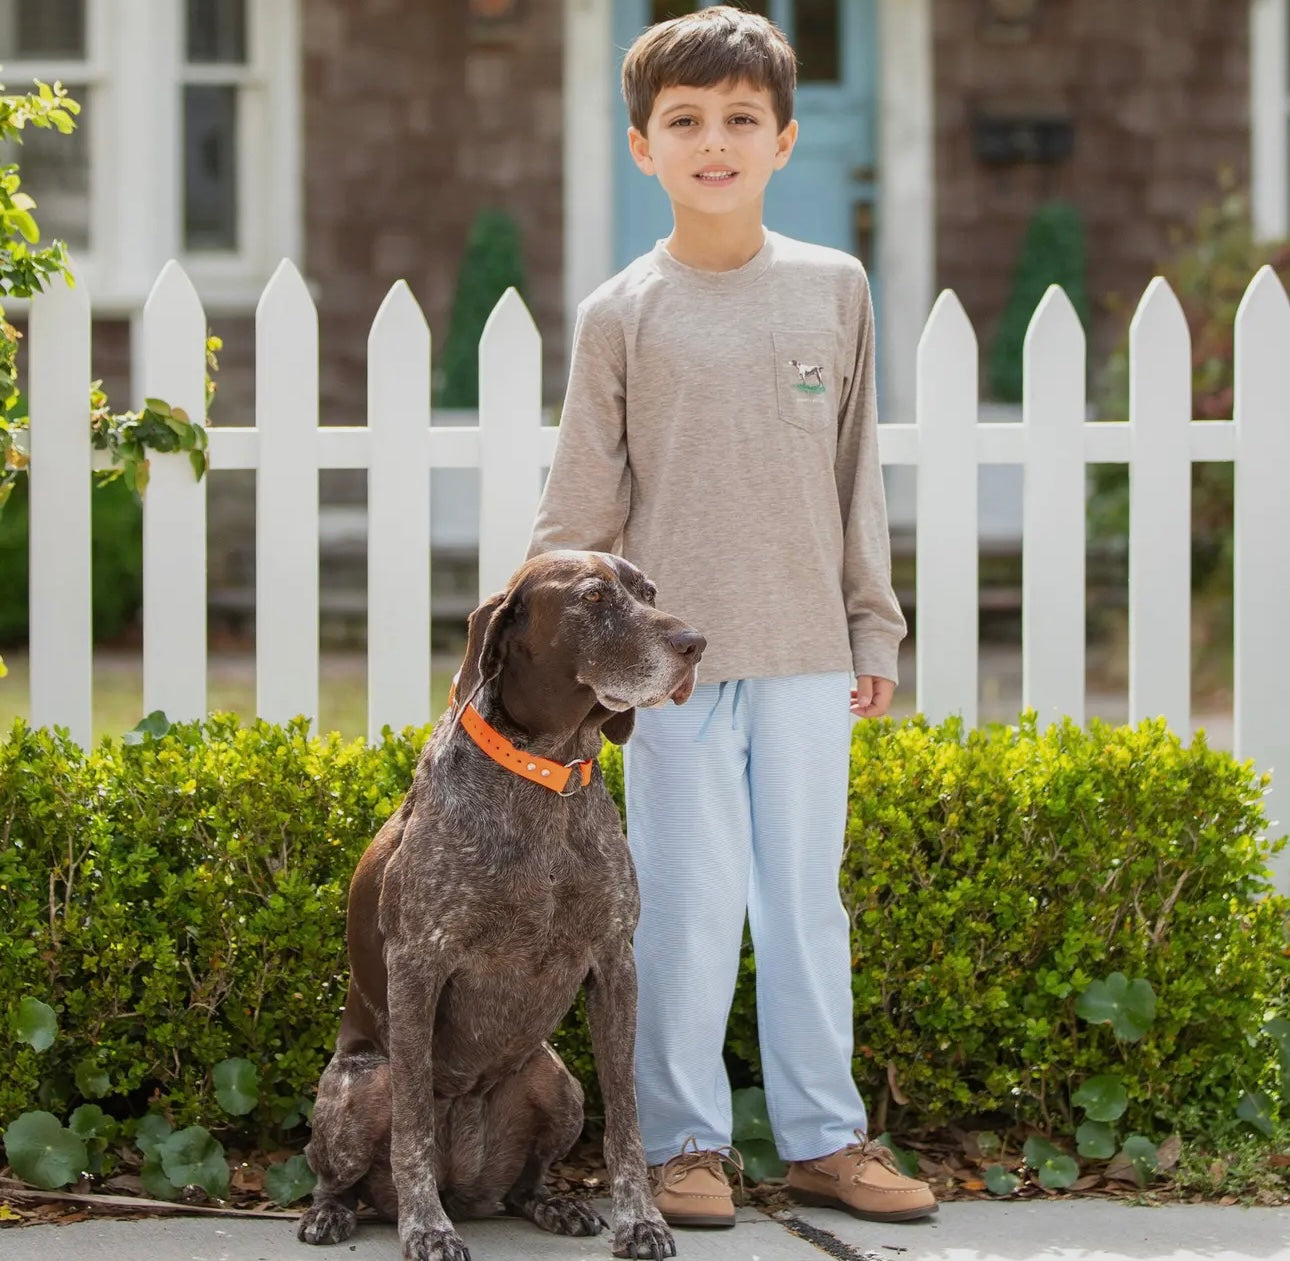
<point x="593" y="596"/>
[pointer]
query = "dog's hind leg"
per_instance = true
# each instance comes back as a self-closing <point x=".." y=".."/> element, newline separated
<point x="544" y="1128"/>
<point x="351" y="1132"/>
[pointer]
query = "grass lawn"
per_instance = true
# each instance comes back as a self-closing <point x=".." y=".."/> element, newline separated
<point x="118" y="690"/>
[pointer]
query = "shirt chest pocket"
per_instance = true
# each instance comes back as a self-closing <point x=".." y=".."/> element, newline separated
<point x="805" y="381"/>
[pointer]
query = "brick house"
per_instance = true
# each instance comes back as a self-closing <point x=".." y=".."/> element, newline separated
<point x="360" y="137"/>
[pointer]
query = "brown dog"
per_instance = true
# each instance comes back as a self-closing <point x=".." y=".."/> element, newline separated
<point x="478" y="910"/>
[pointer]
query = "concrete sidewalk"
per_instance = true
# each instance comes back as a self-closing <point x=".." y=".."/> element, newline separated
<point x="1066" y="1230"/>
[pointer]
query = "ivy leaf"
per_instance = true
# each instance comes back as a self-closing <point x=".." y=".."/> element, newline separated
<point x="907" y="1161"/>
<point x="1256" y="1108"/>
<point x="155" y="724"/>
<point x="1129" y="1007"/>
<point x="1095" y="1140"/>
<point x="1055" y="1169"/>
<point x="42" y="1153"/>
<point x="90" y="1121"/>
<point x="761" y="1160"/>
<point x="198" y="460"/>
<point x="1103" y="1098"/>
<point x="154" y="1178"/>
<point x="989" y="1144"/>
<point x="998" y="1181"/>
<point x="291" y="1180"/>
<point x="749" y="1117"/>
<point x="237" y="1086"/>
<point x="36" y="1024"/>
<point x="192" y="1157"/>
<point x="158" y="405"/>
<point x="1279" y="1030"/>
<point x="151" y="1131"/>
<point x="91" y="1080"/>
<point x="1136" y="1161"/>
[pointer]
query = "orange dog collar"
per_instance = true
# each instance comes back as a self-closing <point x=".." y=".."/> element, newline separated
<point x="538" y="770"/>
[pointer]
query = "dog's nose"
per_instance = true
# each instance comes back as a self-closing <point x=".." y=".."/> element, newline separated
<point x="689" y="643"/>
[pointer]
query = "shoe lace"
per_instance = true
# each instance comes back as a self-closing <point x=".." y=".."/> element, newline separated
<point x="864" y="1150"/>
<point x="692" y="1156"/>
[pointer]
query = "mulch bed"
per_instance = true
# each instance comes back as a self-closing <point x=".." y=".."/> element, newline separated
<point x="948" y="1159"/>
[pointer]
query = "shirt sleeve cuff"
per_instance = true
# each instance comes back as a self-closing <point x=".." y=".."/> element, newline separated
<point x="876" y="656"/>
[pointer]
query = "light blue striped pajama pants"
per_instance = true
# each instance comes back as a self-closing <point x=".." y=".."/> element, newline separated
<point x="737" y="801"/>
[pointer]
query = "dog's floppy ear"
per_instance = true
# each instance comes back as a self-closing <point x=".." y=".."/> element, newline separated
<point x="482" y="648"/>
<point x="619" y="727"/>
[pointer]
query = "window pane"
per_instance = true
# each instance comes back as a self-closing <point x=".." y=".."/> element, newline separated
<point x="816" y="39"/>
<point x="32" y="29"/>
<point x="217" y="31"/>
<point x="55" y="173"/>
<point x="210" y="167"/>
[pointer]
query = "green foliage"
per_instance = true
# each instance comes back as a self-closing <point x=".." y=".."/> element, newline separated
<point x="36" y="1024"/>
<point x="127" y="436"/>
<point x="992" y="876"/>
<point x="116" y="562"/>
<point x="23" y="270"/>
<point x="179" y="903"/>
<point x="1130" y="1009"/>
<point x="1051" y="254"/>
<point x="42" y="1152"/>
<point x="999" y="1181"/>
<point x="182" y="902"/>
<point x="289" y="1180"/>
<point x="1054" y="1168"/>
<point x="1211" y="266"/>
<point x="492" y="264"/>
<point x="236" y="1084"/>
<point x="1103" y="1097"/>
<point x="751" y="1134"/>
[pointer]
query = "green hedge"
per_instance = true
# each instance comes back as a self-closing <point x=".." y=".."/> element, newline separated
<point x="116" y="561"/>
<point x="196" y="912"/>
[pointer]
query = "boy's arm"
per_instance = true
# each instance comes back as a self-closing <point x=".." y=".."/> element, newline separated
<point x="584" y="504"/>
<point x="874" y="619"/>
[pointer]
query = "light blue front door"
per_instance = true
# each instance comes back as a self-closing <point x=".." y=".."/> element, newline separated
<point x="826" y="193"/>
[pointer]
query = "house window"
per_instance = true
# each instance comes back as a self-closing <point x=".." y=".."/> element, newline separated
<point x="50" y="37"/>
<point x="187" y="145"/>
<point x="1270" y="117"/>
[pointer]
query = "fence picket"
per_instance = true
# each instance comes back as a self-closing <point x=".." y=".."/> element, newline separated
<point x="398" y="515"/>
<point x="509" y="447"/>
<point x="1160" y="510"/>
<point x="286" y="499"/>
<point x="946" y="513"/>
<point x="1052" y="535"/>
<point x="174" y="507"/>
<point x="510" y="416"/>
<point x="60" y="594"/>
<point x="1261" y="545"/>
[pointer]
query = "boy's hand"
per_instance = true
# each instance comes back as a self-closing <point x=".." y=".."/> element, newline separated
<point x="871" y="696"/>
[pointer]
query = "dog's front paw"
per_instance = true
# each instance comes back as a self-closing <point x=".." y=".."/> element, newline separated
<point x="648" y="1237"/>
<point x="434" y="1244"/>
<point x="328" y="1222"/>
<point x="567" y="1217"/>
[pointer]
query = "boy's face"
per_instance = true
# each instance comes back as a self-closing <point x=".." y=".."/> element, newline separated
<point x="713" y="149"/>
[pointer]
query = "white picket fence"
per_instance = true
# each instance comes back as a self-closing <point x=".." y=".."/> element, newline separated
<point x="511" y="446"/>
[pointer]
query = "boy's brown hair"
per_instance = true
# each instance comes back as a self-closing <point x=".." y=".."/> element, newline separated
<point x="720" y="44"/>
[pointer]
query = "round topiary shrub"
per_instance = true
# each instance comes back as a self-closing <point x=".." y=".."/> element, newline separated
<point x="491" y="264"/>
<point x="1051" y="254"/>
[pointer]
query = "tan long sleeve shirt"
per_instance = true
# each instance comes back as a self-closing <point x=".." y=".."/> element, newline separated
<point x="719" y="431"/>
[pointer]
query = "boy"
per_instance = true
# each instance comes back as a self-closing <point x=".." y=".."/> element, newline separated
<point x="719" y="431"/>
